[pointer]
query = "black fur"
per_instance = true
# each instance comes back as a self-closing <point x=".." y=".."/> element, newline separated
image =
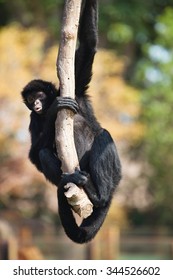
<point x="98" y="158"/>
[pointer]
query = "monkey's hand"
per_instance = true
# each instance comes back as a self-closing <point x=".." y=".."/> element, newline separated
<point x="79" y="178"/>
<point x="67" y="103"/>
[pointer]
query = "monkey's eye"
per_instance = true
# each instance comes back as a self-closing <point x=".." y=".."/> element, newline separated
<point x="41" y="95"/>
<point x="30" y="99"/>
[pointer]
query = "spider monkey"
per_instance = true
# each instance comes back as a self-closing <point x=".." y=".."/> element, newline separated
<point x="100" y="168"/>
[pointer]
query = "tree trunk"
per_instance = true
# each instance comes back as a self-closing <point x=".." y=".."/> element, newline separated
<point x="64" y="134"/>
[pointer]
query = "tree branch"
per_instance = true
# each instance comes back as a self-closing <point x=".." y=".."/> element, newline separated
<point x="64" y="134"/>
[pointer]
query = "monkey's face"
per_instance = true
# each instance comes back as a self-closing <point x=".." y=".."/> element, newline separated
<point x="37" y="101"/>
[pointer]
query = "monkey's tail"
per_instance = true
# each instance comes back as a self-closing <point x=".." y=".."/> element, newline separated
<point x="88" y="228"/>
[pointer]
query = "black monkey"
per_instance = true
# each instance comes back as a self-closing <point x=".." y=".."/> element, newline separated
<point x="98" y="158"/>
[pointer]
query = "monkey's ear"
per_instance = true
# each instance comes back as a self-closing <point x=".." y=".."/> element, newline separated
<point x="28" y="105"/>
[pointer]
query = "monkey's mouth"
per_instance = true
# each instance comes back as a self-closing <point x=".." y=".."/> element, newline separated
<point x="38" y="109"/>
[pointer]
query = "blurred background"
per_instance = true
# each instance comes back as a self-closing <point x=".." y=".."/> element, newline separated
<point x="132" y="95"/>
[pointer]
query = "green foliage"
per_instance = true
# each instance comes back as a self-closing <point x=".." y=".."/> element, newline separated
<point x="164" y="28"/>
<point x="156" y="73"/>
<point x="42" y="13"/>
<point x="120" y="33"/>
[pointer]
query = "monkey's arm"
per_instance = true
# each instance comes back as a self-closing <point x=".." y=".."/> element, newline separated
<point x="88" y="39"/>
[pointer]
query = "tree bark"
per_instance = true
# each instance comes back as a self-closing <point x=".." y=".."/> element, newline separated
<point x="64" y="133"/>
